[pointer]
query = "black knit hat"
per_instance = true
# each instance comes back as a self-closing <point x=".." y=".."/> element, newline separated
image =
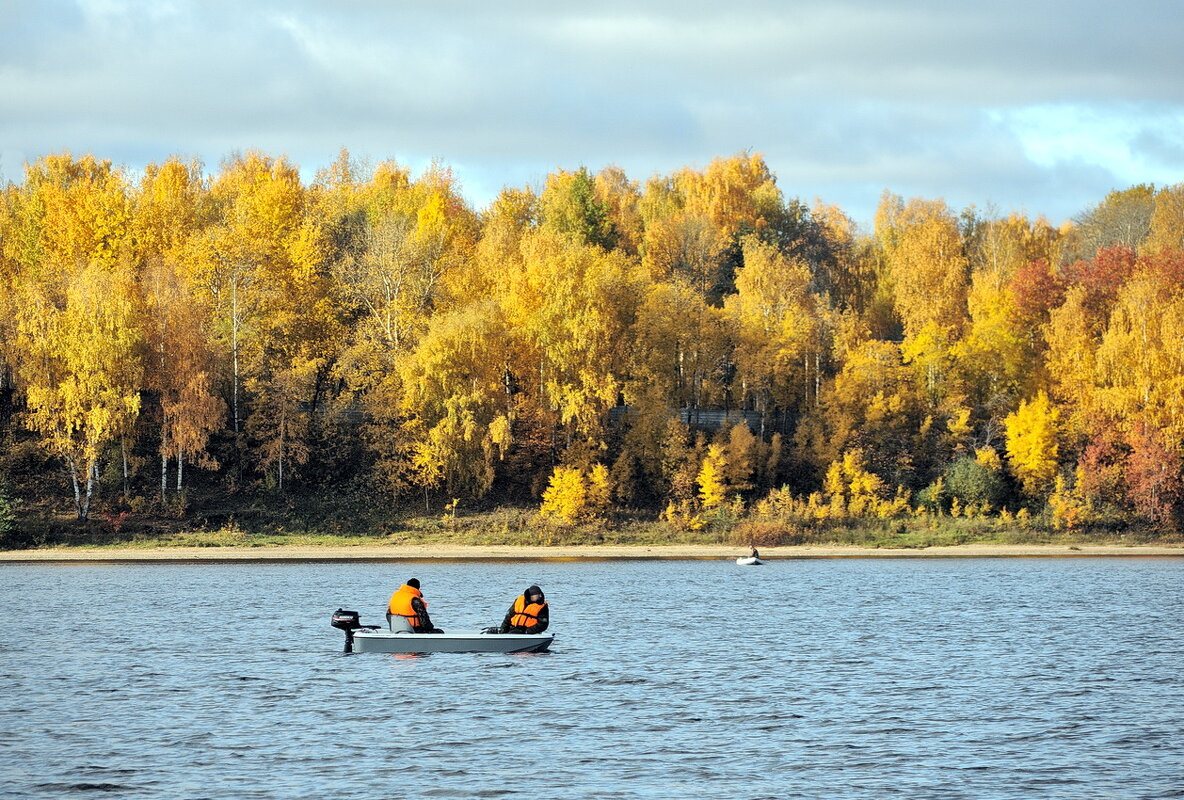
<point x="413" y="583"/>
<point x="533" y="591"/>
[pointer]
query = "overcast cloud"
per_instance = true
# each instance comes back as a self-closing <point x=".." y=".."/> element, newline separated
<point x="1037" y="107"/>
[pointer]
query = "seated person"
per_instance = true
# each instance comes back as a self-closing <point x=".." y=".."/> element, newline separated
<point x="407" y="603"/>
<point x="528" y="613"/>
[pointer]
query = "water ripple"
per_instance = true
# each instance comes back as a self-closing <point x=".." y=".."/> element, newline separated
<point x="876" y="679"/>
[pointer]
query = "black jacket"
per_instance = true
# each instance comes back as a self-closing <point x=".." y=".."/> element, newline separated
<point x="423" y="624"/>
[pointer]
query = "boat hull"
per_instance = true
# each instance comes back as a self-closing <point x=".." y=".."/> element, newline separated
<point x="749" y="561"/>
<point x="461" y="642"/>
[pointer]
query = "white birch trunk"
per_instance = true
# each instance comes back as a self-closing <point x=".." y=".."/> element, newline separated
<point x="234" y="348"/>
<point x="77" y="489"/>
<point x="91" y="475"/>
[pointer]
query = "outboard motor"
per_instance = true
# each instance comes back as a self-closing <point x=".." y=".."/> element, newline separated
<point x="349" y="621"/>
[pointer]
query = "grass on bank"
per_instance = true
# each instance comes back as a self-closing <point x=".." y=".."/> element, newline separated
<point x="323" y="525"/>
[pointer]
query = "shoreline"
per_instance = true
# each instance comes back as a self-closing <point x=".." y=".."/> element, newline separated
<point x="362" y="553"/>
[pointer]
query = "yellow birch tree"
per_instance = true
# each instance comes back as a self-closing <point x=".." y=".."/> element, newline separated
<point x="712" y="480"/>
<point x="778" y="332"/>
<point x="1033" y="444"/>
<point x="79" y="370"/>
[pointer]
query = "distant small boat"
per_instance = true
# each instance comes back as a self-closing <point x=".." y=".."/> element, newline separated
<point x="749" y="561"/>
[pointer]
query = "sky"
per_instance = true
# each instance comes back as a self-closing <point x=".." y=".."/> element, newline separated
<point x="1010" y="105"/>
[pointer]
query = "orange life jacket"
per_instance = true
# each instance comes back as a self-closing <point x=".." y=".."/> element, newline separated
<point x="526" y="615"/>
<point x="400" y="604"/>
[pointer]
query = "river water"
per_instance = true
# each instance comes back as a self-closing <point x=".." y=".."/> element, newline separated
<point x="869" y="678"/>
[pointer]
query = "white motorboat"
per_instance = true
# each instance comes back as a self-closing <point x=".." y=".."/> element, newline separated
<point x="749" y="561"/>
<point x="374" y="639"/>
<point x="381" y="641"/>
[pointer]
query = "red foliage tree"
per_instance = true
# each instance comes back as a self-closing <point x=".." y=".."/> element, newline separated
<point x="1101" y="468"/>
<point x="1102" y="277"/>
<point x="1155" y="484"/>
<point x="1035" y="290"/>
<point x="1166" y="267"/>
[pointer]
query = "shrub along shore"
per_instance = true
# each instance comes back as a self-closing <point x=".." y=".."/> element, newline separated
<point x="522" y="533"/>
<point x="364" y="552"/>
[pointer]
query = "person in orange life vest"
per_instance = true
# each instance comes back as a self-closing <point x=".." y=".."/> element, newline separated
<point x="407" y="602"/>
<point x="528" y="613"/>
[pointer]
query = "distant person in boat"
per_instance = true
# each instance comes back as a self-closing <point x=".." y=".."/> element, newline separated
<point x="755" y="554"/>
<point x="528" y="613"/>
<point x="407" y="602"/>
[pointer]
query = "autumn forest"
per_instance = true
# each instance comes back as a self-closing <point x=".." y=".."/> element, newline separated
<point x="699" y="348"/>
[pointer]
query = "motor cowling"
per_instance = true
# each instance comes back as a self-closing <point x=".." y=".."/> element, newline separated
<point x="346" y="620"/>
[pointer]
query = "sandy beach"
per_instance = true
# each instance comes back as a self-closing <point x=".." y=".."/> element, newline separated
<point x="508" y="552"/>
